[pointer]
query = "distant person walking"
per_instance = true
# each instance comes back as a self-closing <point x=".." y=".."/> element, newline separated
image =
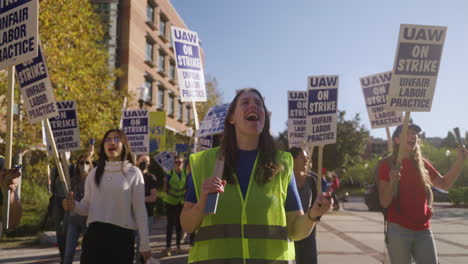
<point x="409" y="234"/>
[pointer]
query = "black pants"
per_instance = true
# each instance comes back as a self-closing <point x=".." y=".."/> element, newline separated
<point x="173" y="219"/>
<point x="336" y="201"/>
<point x="107" y="243"/>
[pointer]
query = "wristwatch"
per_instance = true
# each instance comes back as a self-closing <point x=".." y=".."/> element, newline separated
<point x="316" y="219"/>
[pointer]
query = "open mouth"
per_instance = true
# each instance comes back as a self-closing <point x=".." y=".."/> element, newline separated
<point x="111" y="149"/>
<point x="252" y="117"/>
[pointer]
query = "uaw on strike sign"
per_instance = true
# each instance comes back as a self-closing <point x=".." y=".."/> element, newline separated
<point x="322" y="109"/>
<point x="135" y="127"/>
<point x="416" y="67"/>
<point x="65" y="127"/>
<point x="375" y="88"/>
<point x="18" y="31"/>
<point x="297" y="113"/>
<point x="189" y="65"/>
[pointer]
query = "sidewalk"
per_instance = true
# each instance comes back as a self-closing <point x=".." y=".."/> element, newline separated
<point x="351" y="235"/>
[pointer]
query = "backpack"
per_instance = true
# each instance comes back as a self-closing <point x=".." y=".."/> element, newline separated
<point x="371" y="196"/>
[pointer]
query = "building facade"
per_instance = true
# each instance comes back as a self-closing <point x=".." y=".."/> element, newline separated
<point x="140" y="45"/>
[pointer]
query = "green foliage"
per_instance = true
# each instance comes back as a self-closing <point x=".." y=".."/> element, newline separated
<point x="459" y="195"/>
<point x="214" y="97"/>
<point x="449" y="141"/>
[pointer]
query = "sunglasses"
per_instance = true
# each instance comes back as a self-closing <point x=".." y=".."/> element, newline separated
<point x="84" y="162"/>
<point x="116" y="140"/>
<point x="178" y="162"/>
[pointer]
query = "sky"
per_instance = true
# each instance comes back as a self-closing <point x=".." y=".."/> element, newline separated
<point x="274" y="47"/>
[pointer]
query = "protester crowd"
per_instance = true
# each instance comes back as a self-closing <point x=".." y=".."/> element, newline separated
<point x="266" y="204"/>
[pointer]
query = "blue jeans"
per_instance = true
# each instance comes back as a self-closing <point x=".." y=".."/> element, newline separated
<point x="306" y="249"/>
<point x="73" y="233"/>
<point x="406" y="245"/>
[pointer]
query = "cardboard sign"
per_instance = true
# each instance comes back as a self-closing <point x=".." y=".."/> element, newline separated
<point x="416" y="66"/>
<point x="322" y="102"/>
<point x="165" y="159"/>
<point x="157" y="131"/>
<point x="205" y="142"/>
<point x="297" y="112"/>
<point x="36" y="89"/>
<point x="135" y="127"/>
<point x="214" y="121"/>
<point x="375" y="88"/>
<point x="18" y="32"/>
<point x="189" y="65"/>
<point x="65" y="127"/>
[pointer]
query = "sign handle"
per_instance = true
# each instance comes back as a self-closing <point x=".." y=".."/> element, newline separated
<point x="9" y="142"/>
<point x="319" y="169"/>
<point x="389" y="140"/>
<point x="55" y="153"/>
<point x="401" y="148"/>
<point x="195" y="117"/>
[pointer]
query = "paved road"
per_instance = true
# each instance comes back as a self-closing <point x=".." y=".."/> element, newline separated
<point x="351" y="235"/>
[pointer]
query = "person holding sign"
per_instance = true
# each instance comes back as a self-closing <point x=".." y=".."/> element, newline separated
<point x="114" y="203"/>
<point x="408" y="233"/>
<point x="306" y="249"/>
<point x="9" y="181"/>
<point x="259" y="211"/>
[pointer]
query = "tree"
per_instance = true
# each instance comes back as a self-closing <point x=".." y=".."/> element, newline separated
<point x="72" y="40"/>
<point x="449" y="141"/>
<point x="214" y="97"/>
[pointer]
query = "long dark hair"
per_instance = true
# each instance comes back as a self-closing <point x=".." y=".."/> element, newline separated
<point x="266" y="163"/>
<point x="126" y="153"/>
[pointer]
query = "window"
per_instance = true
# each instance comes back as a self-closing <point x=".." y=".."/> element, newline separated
<point x="170" y="102"/>
<point x="172" y="71"/>
<point x="162" y="25"/>
<point x="150" y="11"/>
<point x="161" y="61"/>
<point x="179" y="110"/>
<point x="187" y="115"/>
<point x="149" y="50"/>
<point x="147" y="95"/>
<point x="160" y="104"/>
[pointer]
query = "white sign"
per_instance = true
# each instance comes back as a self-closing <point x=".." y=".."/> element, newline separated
<point x="375" y="88"/>
<point x="65" y="127"/>
<point x="214" y="121"/>
<point x="189" y="65"/>
<point x="135" y="127"/>
<point x="165" y="159"/>
<point x="297" y="113"/>
<point x="36" y="89"/>
<point x="322" y="109"/>
<point x="416" y="66"/>
<point x="18" y="31"/>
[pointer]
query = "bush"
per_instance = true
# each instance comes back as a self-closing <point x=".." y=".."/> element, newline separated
<point x="459" y="195"/>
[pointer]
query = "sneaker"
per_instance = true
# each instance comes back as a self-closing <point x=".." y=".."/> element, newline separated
<point x="166" y="252"/>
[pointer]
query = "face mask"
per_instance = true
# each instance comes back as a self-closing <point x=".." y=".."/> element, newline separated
<point x="143" y="165"/>
<point x="84" y="168"/>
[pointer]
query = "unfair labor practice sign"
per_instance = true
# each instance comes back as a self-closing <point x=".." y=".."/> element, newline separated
<point x="189" y="65"/>
<point x="36" y="89"/>
<point x="375" y="88"/>
<point x="322" y="102"/>
<point x="65" y="127"/>
<point x="135" y="127"/>
<point x="18" y="31"/>
<point x="416" y="66"/>
<point x="213" y="123"/>
<point x="297" y="113"/>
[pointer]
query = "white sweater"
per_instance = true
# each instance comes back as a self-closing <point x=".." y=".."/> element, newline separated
<point x="119" y="199"/>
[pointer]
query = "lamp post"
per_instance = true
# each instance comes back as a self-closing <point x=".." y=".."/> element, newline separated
<point x="447" y="155"/>
<point x="144" y="95"/>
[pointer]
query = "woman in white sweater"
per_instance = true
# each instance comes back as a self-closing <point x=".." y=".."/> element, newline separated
<point x="114" y="203"/>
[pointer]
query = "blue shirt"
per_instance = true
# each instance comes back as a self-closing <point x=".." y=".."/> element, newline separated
<point x="246" y="160"/>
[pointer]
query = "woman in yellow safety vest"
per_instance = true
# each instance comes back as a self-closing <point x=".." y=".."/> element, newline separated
<point x="259" y="211"/>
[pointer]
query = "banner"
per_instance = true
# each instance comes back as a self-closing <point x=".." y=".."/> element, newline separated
<point x="213" y="123"/>
<point x="65" y="127"/>
<point x="375" y="89"/>
<point x="165" y="159"/>
<point x="36" y="89"/>
<point x="297" y="112"/>
<point x="157" y="131"/>
<point x="135" y="127"/>
<point x="416" y="66"/>
<point x="18" y="32"/>
<point x="322" y="101"/>
<point x="189" y="65"/>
